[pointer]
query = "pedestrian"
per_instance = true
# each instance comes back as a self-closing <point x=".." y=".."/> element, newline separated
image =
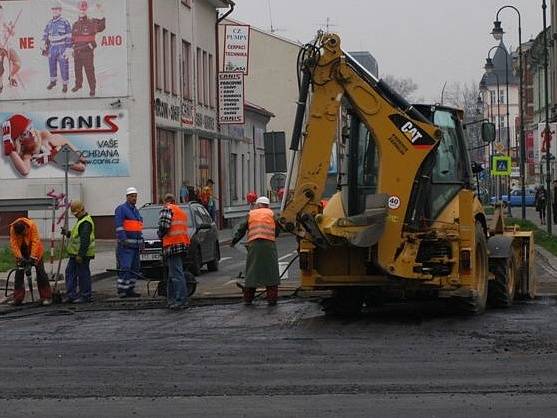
<point x="81" y="250"/>
<point x="129" y="232"/>
<point x="84" y="31"/>
<point x="541" y="201"/>
<point x="554" y="202"/>
<point x="184" y="192"/>
<point x="262" y="260"/>
<point x="28" y="250"/>
<point x="57" y="43"/>
<point x="173" y="230"/>
<point x="208" y="199"/>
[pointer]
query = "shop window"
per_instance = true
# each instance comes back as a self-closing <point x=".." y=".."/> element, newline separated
<point x="166" y="161"/>
<point x="205" y="160"/>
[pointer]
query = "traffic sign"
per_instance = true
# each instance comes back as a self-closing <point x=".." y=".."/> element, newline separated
<point x="501" y="166"/>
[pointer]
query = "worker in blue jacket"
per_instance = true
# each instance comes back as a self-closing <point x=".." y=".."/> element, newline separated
<point x="57" y="44"/>
<point x="129" y="232"/>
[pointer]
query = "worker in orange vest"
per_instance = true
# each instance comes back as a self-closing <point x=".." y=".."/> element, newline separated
<point x="173" y="230"/>
<point x="27" y="248"/>
<point x="262" y="260"/>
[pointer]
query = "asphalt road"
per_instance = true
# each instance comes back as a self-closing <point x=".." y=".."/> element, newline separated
<point x="227" y="360"/>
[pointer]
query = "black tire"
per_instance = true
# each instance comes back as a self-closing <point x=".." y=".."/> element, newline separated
<point x="476" y="304"/>
<point x="214" y="264"/>
<point x="192" y="287"/>
<point x="502" y="289"/>
<point x="196" y="262"/>
<point x="345" y="302"/>
<point x="161" y="288"/>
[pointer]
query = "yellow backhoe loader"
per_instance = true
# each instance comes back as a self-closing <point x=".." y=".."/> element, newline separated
<point x="406" y="220"/>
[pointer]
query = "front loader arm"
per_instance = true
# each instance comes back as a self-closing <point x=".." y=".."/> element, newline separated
<point x="404" y="139"/>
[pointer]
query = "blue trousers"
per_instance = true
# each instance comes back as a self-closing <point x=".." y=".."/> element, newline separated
<point x="128" y="260"/>
<point x="55" y="59"/>
<point x="78" y="275"/>
<point x="176" y="288"/>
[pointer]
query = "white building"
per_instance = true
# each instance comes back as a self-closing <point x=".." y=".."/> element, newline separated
<point x="150" y="121"/>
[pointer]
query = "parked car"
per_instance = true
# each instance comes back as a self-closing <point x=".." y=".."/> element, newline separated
<point x="204" y="247"/>
<point x="516" y="197"/>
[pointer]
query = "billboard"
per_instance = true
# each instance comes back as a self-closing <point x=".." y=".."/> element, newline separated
<point x="63" y="49"/>
<point x="231" y="98"/>
<point x="31" y="143"/>
<point x="236" y="48"/>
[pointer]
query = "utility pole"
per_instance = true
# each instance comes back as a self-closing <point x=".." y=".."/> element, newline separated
<point x="547" y="131"/>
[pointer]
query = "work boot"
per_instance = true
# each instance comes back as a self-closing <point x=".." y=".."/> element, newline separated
<point x="75" y="88"/>
<point x="46" y="302"/>
<point x="81" y="300"/>
<point x="51" y="85"/>
<point x="65" y="88"/>
<point x="132" y="294"/>
<point x="16" y="303"/>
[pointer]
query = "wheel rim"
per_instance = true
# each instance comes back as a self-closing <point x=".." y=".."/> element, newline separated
<point x="481" y="272"/>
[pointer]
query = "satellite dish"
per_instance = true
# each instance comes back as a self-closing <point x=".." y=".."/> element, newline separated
<point x="278" y="180"/>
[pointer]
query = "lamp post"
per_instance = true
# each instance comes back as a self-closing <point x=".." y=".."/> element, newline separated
<point x="489" y="68"/>
<point x="547" y="132"/>
<point x="497" y="33"/>
<point x="484" y="90"/>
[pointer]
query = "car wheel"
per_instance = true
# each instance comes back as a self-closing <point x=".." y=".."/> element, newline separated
<point x="196" y="262"/>
<point x="214" y="265"/>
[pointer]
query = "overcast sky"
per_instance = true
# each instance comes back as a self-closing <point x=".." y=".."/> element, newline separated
<point x="431" y="41"/>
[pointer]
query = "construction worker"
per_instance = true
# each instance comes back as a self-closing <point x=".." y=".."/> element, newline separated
<point x="27" y="249"/>
<point x="129" y="232"/>
<point x="173" y="230"/>
<point x="81" y="249"/>
<point x="84" y="31"/>
<point x="262" y="259"/>
<point x="57" y="43"/>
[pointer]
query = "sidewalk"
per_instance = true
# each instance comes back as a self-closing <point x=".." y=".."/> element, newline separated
<point x="534" y="217"/>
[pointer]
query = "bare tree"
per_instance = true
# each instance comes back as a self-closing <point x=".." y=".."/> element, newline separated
<point x="406" y="87"/>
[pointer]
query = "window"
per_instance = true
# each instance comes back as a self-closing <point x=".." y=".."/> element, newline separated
<point x="263" y="188"/>
<point x="158" y="72"/>
<point x="502" y="96"/>
<point x="205" y="79"/>
<point x="199" y="75"/>
<point x="165" y="57"/>
<point x="166" y="164"/>
<point x="173" y="64"/>
<point x="243" y="175"/>
<point x="205" y="160"/>
<point x="212" y="82"/>
<point x="232" y="177"/>
<point x="186" y="71"/>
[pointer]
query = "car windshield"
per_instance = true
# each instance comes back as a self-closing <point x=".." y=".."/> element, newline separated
<point x="150" y="216"/>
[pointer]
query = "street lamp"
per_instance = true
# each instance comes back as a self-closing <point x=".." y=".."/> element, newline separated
<point x="497" y="33"/>
<point x="489" y="68"/>
<point x="547" y="131"/>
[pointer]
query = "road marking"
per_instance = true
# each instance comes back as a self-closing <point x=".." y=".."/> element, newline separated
<point x="287" y="255"/>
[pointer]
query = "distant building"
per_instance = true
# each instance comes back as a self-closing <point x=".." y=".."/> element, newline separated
<point x="367" y="60"/>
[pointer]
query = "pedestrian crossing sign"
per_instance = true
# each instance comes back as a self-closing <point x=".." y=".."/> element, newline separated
<point x="501" y="166"/>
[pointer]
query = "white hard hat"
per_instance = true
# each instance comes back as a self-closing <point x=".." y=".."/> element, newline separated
<point x="262" y="200"/>
<point x="131" y="190"/>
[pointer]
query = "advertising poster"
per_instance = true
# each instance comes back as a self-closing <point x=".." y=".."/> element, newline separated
<point x="231" y="97"/>
<point x="63" y="48"/>
<point x="31" y="142"/>
<point x="530" y="147"/>
<point x="236" y="48"/>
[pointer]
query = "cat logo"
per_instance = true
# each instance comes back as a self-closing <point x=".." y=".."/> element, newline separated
<point x="413" y="133"/>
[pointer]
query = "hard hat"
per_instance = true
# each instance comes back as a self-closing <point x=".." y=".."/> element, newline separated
<point x="82" y="5"/>
<point x="131" y="190"/>
<point x="263" y="200"/>
<point x="18" y="125"/>
<point x="77" y="206"/>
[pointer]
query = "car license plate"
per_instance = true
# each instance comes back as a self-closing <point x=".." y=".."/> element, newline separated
<point x="150" y="256"/>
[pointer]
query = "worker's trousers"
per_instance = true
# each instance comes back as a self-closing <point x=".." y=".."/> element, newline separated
<point x="176" y="289"/>
<point x="78" y="274"/>
<point x="128" y="262"/>
<point x="45" y="292"/>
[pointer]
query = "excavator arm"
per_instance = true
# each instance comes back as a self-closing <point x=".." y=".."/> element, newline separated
<point x="403" y="139"/>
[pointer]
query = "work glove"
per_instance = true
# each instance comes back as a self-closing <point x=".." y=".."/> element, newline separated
<point x="65" y="232"/>
<point x="78" y="259"/>
<point x="33" y="261"/>
<point x="7" y="141"/>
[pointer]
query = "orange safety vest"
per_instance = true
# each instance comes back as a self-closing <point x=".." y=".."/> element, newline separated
<point x="32" y="239"/>
<point x="178" y="231"/>
<point x="261" y="224"/>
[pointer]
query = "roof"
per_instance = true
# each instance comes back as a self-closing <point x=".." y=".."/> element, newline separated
<point x="263" y="31"/>
<point x="490" y="79"/>
<point x="258" y="109"/>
